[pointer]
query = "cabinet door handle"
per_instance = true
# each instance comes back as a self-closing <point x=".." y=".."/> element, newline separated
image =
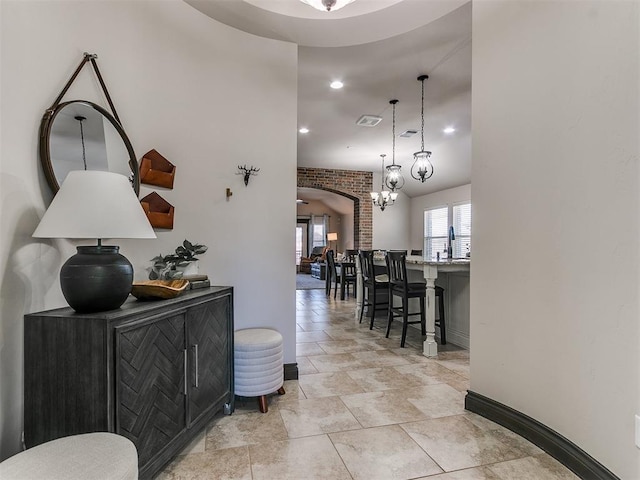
<point x="186" y="386"/>
<point x="195" y="354"/>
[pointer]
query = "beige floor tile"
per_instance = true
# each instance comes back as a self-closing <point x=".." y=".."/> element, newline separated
<point x="315" y="416"/>
<point x="228" y="463"/>
<point x="456" y="443"/>
<point x="381" y="358"/>
<point x="428" y="373"/>
<point x="305" y="366"/>
<point x="384" y="453"/>
<point x="478" y="473"/>
<point x="504" y="434"/>
<point x="306" y="337"/>
<point x="238" y="430"/>
<point x="388" y="407"/>
<point x="328" y="384"/>
<point x="343" y="346"/>
<point x="338" y="362"/>
<point x="313" y="326"/>
<point x="378" y="379"/>
<point x="458" y="365"/>
<point x="309" y="458"/>
<point x="292" y="391"/>
<point x="435" y="401"/>
<point x="540" y="467"/>
<point x="307" y="349"/>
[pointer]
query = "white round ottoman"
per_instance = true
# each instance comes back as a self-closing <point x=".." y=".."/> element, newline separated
<point x="258" y="364"/>
<point x="99" y="456"/>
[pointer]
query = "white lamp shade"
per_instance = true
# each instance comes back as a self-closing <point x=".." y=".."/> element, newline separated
<point x="332" y="237"/>
<point x="95" y="204"/>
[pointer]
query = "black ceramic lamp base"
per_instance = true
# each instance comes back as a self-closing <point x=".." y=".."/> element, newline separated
<point x="96" y="279"/>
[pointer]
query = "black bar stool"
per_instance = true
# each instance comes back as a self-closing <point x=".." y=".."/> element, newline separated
<point x="400" y="286"/>
<point x="372" y="285"/>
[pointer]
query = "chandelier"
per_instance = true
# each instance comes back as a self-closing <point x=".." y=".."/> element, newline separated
<point x="422" y="168"/>
<point x="394" y="179"/>
<point x="327" y="5"/>
<point x="383" y="197"/>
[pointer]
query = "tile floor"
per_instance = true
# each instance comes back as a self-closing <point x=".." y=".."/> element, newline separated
<point x="363" y="408"/>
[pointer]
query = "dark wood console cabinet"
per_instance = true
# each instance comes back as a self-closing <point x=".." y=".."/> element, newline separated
<point x="155" y="372"/>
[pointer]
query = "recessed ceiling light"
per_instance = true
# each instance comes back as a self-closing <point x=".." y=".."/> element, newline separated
<point x="368" y="120"/>
<point x="336" y="84"/>
<point x="304" y="130"/>
<point x="449" y="130"/>
<point x="408" y="133"/>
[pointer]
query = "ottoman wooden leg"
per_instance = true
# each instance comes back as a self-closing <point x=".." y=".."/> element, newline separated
<point x="281" y="391"/>
<point x="262" y="404"/>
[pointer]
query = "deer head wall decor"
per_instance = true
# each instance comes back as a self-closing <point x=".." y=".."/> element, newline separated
<point x="247" y="172"/>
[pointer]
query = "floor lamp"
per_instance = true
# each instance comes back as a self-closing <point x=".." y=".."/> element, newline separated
<point x="333" y="237"/>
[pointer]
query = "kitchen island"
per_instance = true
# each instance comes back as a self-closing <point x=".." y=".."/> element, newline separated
<point x="458" y="267"/>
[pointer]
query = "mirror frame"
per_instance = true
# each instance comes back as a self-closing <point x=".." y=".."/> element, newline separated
<point x="45" y="147"/>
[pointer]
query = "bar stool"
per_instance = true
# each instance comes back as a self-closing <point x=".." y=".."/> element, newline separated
<point x="372" y="285"/>
<point x="399" y="285"/>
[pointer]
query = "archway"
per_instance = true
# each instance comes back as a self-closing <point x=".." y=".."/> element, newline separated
<point x="352" y="184"/>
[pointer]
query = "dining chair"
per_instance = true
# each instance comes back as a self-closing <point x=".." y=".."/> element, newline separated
<point x="400" y="286"/>
<point x="372" y="284"/>
<point x="332" y="274"/>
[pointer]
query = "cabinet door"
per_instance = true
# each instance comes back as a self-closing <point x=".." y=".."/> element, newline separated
<point x="208" y="327"/>
<point x="150" y="384"/>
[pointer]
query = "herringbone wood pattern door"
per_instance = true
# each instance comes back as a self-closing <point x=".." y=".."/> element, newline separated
<point x="208" y="327"/>
<point x="150" y="408"/>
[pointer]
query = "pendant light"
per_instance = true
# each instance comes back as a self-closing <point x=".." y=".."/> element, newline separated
<point x="327" y="5"/>
<point x="394" y="179"/>
<point x="422" y="168"/>
<point x="383" y="197"/>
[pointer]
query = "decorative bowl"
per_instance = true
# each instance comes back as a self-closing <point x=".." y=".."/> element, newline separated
<point x="153" y="289"/>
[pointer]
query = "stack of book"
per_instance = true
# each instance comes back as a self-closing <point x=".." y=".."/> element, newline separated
<point x="197" y="281"/>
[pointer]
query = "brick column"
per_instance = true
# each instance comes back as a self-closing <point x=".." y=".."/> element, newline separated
<point x="355" y="185"/>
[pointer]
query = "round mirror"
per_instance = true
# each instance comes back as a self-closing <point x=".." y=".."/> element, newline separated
<point x="80" y="135"/>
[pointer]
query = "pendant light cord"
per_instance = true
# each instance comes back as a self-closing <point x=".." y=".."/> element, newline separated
<point x="84" y="156"/>
<point x="393" y="133"/>
<point x="422" y="117"/>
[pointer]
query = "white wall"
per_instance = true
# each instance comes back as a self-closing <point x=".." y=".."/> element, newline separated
<point x="204" y="95"/>
<point x="391" y="227"/>
<point x="554" y="281"/>
<point x="442" y="198"/>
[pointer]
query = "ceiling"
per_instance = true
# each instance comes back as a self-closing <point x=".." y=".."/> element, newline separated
<point x="377" y="48"/>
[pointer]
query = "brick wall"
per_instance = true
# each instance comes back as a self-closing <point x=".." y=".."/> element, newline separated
<point x="352" y="184"/>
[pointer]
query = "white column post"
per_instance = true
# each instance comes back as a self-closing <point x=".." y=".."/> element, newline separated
<point x="430" y="347"/>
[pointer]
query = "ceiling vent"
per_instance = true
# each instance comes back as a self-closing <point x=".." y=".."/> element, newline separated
<point x="408" y="133"/>
<point x="368" y="120"/>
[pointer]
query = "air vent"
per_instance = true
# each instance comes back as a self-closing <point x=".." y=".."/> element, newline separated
<point x="368" y="120"/>
<point x="408" y="133"/>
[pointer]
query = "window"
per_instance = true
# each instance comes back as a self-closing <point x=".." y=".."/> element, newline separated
<point x="318" y="236"/>
<point x="436" y="230"/>
<point x="436" y="225"/>
<point x="462" y="229"/>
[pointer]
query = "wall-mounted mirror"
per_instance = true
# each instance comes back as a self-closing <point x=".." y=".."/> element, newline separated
<point x="80" y="135"/>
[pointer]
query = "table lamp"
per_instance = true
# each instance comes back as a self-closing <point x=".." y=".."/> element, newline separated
<point x="95" y="204"/>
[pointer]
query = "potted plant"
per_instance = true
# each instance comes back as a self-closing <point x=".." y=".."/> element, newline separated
<point x="171" y="267"/>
